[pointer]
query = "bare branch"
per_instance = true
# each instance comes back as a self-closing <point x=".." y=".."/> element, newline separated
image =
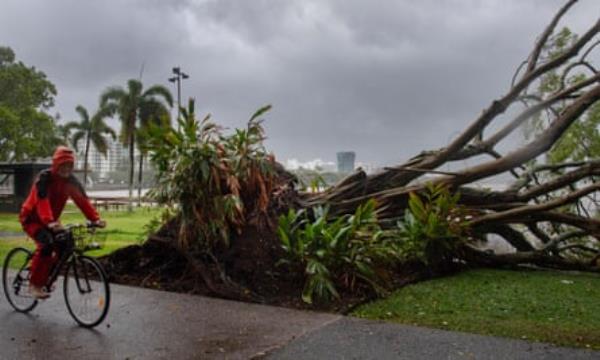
<point x="415" y="169"/>
<point x="589" y="50"/>
<point x="570" y="67"/>
<point x="516" y="74"/>
<point x="541" y="144"/>
<point x="579" y="247"/>
<point x="520" y="119"/>
<point x="562" y="238"/>
<point x="539" y="233"/>
<point x="591" y="168"/>
<point x="529" y="257"/>
<point x="525" y="210"/>
<point x="561" y="59"/>
<point x="535" y="54"/>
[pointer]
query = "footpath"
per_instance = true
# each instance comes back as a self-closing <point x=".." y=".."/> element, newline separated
<point x="149" y="324"/>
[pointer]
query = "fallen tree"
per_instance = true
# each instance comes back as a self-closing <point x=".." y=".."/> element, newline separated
<point x="227" y="193"/>
<point x="554" y="203"/>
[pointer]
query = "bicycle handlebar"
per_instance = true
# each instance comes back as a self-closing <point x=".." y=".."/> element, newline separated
<point x="88" y="224"/>
<point x="92" y="225"/>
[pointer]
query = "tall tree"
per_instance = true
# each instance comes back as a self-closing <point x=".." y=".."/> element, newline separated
<point x="26" y="130"/>
<point x="154" y="114"/>
<point x="130" y="103"/>
<point x="93" y="130"/>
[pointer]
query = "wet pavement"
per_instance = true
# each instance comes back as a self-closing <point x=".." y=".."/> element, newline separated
<point x="351" y="338"/>
<point x="149" y="324"/>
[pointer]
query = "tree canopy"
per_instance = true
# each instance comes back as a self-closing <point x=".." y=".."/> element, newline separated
<point x="27" y="130"/>
<point x="92" y="130"/>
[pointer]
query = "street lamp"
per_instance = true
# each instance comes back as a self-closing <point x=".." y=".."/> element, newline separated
<point x="179" y="75"/>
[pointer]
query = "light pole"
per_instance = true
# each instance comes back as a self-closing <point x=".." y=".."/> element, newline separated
<point x="179" y="75"/>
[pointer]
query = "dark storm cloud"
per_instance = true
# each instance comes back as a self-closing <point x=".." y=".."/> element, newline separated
<point x="383" y="78"/>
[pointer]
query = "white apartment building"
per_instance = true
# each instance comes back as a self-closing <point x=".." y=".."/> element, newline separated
<point x="116" y="157"/>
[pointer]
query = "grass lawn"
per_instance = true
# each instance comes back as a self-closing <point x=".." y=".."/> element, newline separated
<point x="123" y="228"/>
<point x="561" y="308"/>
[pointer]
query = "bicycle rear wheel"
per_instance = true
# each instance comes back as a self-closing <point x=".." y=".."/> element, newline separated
<point x="15" y="280"/>
<point x="86" y="291"/>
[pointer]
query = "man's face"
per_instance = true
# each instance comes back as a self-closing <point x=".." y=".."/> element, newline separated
<point x="65" y="170"/>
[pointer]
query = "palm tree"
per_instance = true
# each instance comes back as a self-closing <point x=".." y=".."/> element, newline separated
<point x="154" y="114"/>
<point x="93" y="130"/>
<point x="130" y="103"/>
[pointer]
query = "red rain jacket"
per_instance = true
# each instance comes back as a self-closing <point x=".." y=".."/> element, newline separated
<point x="49" y="195"/>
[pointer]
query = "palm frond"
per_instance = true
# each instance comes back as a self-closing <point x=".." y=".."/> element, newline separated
<point x="134" y="87"/>
<point x="77" y="136"/>
<point x="99" y="142"/>
<point x="114" y="93"/>
<point x="159" y="91"/>
<point x="152" y="110"/>
<point x="260" y="111"/>
<point x="107" y="110"/>
<point x="82" y="111"/>
<point x="109" y="131"/>
<point x="71" y="125"/>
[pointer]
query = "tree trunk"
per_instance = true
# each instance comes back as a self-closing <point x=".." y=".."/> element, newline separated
<point x="140" y="179"/>
<point x="131" y="170"/>
<point x="85" y="160"/>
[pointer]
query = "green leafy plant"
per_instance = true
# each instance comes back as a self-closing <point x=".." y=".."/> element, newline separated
<point x="434" y="227"/>
<point x="214" y="179"/>
<point x="348" y="251"/>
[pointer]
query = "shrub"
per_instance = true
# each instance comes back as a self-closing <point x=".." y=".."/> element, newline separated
<point x="434" y="227"/>
<point x="214" y="179"/>
<point x="348" y="251"/>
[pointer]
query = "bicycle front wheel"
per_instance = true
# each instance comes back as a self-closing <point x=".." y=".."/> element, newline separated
<point x="15" y="280"/>
<point x="86" y="291"/>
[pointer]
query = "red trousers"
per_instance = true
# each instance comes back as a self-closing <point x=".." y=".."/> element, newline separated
<point x="45" y="256"/>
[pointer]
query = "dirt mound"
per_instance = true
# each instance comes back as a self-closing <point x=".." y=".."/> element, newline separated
<point x="249" y="269"/>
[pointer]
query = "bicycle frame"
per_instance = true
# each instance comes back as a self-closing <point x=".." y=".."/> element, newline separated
<point x="68" y="254"/>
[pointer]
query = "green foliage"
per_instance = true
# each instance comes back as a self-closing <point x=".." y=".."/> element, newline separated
<point x="26" y="130"/>
<point x="136" y="108"/>
<point x="581" y="141"/>
<point x="92" y="130"/>
<point x="348" y="251"/>
<point x="216" y="180"/>
<point x="134" y="105"/>
<point x="434" y="228"/>
<point x="23" y="87"/>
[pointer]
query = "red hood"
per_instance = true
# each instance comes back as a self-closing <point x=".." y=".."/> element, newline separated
<point x="61" y="156"/>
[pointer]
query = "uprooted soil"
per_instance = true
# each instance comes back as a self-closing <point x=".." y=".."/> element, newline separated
<point x="251" y="262"/>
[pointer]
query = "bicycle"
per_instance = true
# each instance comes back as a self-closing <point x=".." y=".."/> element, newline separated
<point x="85" y="283"/>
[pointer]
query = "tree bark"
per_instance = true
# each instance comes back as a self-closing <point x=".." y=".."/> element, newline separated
<point x="85" y="159"/>
<point x="131" y="170"/>
<point x="140" y="169"/>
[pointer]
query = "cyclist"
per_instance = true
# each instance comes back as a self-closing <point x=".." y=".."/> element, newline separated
<point x="41" y="211"/>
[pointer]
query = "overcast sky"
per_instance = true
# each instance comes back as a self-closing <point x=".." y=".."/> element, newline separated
<point x="383" y="78"/>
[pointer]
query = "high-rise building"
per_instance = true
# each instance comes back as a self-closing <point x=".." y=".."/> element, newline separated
<point x="345" y="161"/>
<point x="116" y="157"/>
